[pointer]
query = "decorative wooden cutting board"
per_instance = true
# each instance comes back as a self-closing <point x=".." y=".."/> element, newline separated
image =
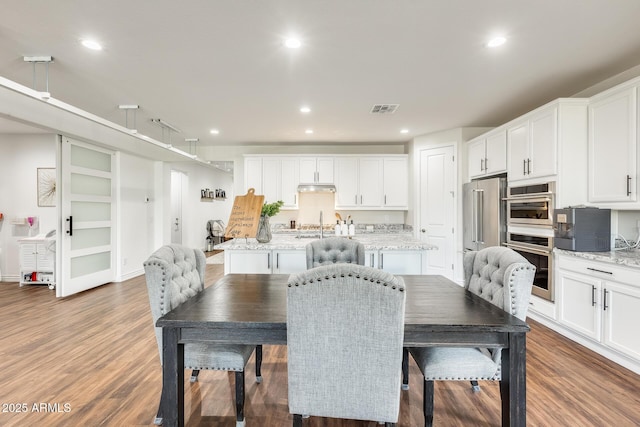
<point x="245" y="214"/>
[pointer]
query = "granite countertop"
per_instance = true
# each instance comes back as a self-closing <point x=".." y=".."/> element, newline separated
<point x="626" y="257"/>
<point x="371" y="241"/>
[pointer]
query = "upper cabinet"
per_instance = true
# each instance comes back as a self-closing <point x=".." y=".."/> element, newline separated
<point x="274" y="177"/>
<point x="613" y="148"/>
<point x="316" y="170"/>
<point x="372" y="182"/>
<point x="533" y="143"/>
<point x="488" y="154"/>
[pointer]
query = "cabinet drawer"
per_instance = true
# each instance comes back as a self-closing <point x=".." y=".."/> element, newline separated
<point x="599" y="269"/>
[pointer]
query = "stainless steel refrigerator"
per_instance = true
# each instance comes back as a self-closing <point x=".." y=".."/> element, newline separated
<point x="484" y="213"/>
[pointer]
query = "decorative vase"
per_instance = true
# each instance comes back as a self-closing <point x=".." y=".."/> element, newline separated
<point x="264" y="230"/>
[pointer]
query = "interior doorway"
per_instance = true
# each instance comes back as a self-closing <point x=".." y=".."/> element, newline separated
<point x="179" y="184"/>
<point x="437" y="186"/>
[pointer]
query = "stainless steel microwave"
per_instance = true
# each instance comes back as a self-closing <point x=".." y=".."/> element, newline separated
<point x="531" y="204"/>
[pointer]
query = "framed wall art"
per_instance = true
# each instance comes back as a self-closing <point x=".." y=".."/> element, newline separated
<point x="46" y="186"/>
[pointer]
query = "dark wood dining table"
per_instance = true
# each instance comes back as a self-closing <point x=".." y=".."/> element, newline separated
<point x="251" y="309"/>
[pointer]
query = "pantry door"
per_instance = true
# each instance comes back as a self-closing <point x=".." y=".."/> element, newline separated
<point x="88" y="212"/>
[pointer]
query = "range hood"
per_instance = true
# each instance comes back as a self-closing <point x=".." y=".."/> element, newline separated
<point x="316" y="188"/>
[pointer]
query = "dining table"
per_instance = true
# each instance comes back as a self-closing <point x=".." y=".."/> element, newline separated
<point x="252" y="309"/>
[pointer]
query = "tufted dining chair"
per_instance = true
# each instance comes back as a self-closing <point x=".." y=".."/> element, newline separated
<point x="345" y="329"/>
<point x="500" y="276"/>
<point x="332" y="250"/>
<point x="175" y="273"/>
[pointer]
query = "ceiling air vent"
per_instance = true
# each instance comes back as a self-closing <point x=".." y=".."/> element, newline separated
<point x="384" y="108"/>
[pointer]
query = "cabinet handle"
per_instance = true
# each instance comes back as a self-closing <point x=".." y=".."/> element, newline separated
<point x="385" y="199"/>
<point x="605" y="300"/>
<point x="524" y="166"/>
<point x="381" y="261"/>
<point x="628" y="185"/>
<point x="269" y="261"/>
<point x="481" y="165"/>
<point x="528" y="166"/>
<point x="277" y="260"/>
<point x="486" y="162"/>
<point x="599" y="271"/>
<point x="361" y="199"/>
<point x="593" y="296"/>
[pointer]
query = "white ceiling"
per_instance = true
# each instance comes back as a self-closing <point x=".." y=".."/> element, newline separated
<point x="206" y="64"/>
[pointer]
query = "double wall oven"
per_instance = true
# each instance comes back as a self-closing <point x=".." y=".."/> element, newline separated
<point x="530" y="231"/>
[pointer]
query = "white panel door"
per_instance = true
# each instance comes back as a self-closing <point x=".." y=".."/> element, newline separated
<point x="437" y="208"/>
<point x="178" y="181"/>
<point x="518" y="152"/>
<point x="289" y="180"/>
<point x="621" y="305"/>
<point x="88" y="209"/>
<point x="543" y="143"/>
<point x="496" y="153"/>
<point x="253" y="174"/>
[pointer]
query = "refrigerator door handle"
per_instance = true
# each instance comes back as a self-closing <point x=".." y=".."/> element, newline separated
<point x="474" y="216"/>
<point x="480" y="217"/>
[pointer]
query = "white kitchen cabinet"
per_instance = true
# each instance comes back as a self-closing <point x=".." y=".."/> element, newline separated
<point x="37" y="262"/>
<point x="533" y="145"/>
<point x="274" y="177"/>
<point x="613" y="148"/>
<point x="400" y="262"/>
<point x="253" y="174"/>
<point x="371" y="258"/>
<point x="488" y="154"/>
<point x="289" y="261"/>
<point x="358" y="182"/>
<point x="316" y="170"/>
<point x="395" y="182"/>
<point x="372" y="182"/>
<point x="600" y="301"/>
<point x="248" y="262"/>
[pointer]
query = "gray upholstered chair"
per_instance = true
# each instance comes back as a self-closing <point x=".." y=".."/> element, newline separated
<point x="500" y="276"/>
<point x="332" y="250"/>
<point x="345" y="328"/>
<point x="174" y="274"/>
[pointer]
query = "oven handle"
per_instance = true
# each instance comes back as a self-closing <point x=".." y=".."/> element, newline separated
<point x="528" y="249"/>
<point x="537" y="198"/>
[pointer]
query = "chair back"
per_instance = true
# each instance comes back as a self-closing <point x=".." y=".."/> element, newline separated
<point x="345" y="330"/>
<point x="174" y="273"/>
<point x="331" y="250"/>
<point x="501" y="276"/>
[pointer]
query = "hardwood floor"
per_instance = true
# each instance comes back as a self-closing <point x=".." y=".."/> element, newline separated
<point x="92" y="360"/>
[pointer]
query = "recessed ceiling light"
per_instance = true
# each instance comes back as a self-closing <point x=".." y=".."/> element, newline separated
<point x="305" y="109"/>
<point x="404" y="130"/>
<point x="496" y="41"/>
<point x="214" y="131"/>
<point x="308" y="131"/>
<point x="91" y="44"/>
<point x="292" y="43"/>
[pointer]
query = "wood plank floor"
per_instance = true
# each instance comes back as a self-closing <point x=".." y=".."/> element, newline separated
<point x="92" y="360"/>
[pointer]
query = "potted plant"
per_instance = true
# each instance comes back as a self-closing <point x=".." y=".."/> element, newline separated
<point x="264" y="228"/>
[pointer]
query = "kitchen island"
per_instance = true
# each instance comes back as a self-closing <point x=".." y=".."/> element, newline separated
<point x="397" y="253"/>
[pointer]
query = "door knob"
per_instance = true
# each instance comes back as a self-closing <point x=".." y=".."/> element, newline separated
<point x="423" y="230"/>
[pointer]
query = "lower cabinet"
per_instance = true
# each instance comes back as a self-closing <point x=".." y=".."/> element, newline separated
<point x="247" y="262"/>
<point x="289" y="261"/>
<point x="401" y="262"/>
<point x="280" y="261"/>
<point x="600" y="301"/>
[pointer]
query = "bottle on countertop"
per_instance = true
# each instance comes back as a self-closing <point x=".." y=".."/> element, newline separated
<point x="344" y="229"/>
<point x="337" y="229"/>
<point x="352" y="229"/>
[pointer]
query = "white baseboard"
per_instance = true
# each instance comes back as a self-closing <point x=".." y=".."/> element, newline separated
<point x="130" y="275"/>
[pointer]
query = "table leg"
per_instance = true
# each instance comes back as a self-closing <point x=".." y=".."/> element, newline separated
<point x="513" y="387"/>
<point x="172" y="378"/>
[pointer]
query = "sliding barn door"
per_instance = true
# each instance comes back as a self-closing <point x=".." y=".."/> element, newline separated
<point x="88" y="217"/>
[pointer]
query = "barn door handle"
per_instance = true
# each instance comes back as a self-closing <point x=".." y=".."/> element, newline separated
<point x="70" y="230"/>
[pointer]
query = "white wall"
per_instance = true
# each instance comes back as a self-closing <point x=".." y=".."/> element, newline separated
<point x="20" y="156"/>
<point x="196" y="212"/>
